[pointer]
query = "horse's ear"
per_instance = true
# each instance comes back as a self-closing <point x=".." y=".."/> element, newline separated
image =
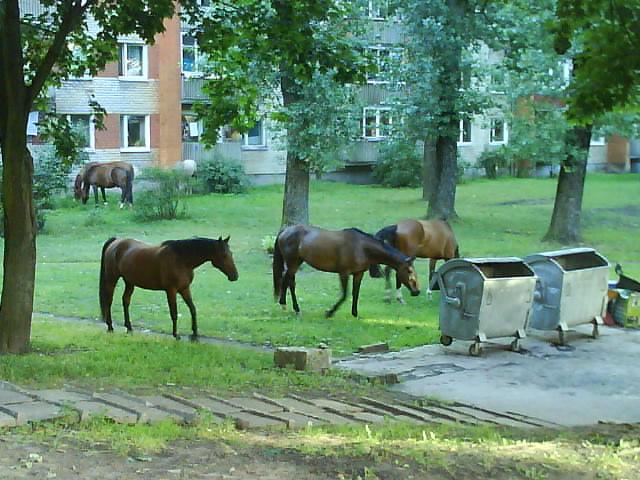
<point x="226" y="240"/>
<point x="220" y="238"/>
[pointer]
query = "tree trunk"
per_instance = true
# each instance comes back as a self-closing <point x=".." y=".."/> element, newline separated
<point x="295" y="204"/>
<point x="430" y="174"/>
<point x="18" y="285"/>
<point x="567" y="208"/>
<point x="442" y="199"/>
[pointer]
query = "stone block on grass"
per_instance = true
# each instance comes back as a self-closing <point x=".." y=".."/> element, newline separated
<point x="311" y="359"/>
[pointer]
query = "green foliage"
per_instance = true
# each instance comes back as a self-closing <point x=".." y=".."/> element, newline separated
<point x="399" y="164"/>
<point x="268" y="242"/>
<point x="163" y="199"/>
<point x="597" y="33"/>
<point x="220" y="175"/>
<point x="289" y="59"/>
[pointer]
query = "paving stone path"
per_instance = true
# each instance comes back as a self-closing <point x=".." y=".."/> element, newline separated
<point x="19" y="406"/>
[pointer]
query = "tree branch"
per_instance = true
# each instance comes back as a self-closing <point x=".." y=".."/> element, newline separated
<point x="70" y="20"/>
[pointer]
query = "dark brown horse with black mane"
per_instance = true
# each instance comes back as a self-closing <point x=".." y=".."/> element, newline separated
<point x="104" y="175"/>
<point x="345" y="252"/>
<point x="432" y="239"/>
<point x="168" y="266"/>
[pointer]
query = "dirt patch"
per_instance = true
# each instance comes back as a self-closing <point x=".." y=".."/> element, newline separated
<point x="526" y="201"/>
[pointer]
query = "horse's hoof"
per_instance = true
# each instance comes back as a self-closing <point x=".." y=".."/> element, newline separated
<point x="194" y="338"/>
<point x="177" y="337"/>
<point x="105" y="203"/>
<point x="298" y="314"/>
<point x="329" y="313"/>
<point x="401" y="300"/>
<point x="283" y="307"/>
<point x="354" y="314"/>
<point x="121" y="206"/>
<point x="387" y="299"/>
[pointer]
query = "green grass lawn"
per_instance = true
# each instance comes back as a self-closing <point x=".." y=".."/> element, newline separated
<point x="497" y="218"/>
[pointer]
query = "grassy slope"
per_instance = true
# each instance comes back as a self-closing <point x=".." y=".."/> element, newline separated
<point x="498" y="218"/>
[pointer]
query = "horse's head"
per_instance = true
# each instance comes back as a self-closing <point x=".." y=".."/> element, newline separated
<point x="407" y="275"/>
<point x="222" y="259"/>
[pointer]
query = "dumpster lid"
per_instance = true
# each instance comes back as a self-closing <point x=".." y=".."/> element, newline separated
<point x="502" y="267"/>
<point x="571" y="258"/>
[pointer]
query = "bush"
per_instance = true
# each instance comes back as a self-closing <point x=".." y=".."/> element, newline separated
<point x="218" y="175"/>
<point x="268" y="242"/>
<point x="399" y="165"/>
<point x="162" y="200"/>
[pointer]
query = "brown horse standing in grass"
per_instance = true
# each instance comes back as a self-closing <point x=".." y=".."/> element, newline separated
<point x="105" y="175"/>
<point x="168" y="266"/>
<point x="432" y="239"/>
<point x="345" y="252"/>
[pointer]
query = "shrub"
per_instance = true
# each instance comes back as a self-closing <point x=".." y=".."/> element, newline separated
<point x="268" y="242"/>
<point x="162" y="200"/>
<point x="399" y="165"/>
<point x="219" y="175"/>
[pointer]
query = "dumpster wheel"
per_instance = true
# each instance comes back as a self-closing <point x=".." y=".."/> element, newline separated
<point x="515" y="345"/>
<point x="446" y="340"/>
<point x="595" y="333"/>
<point x="475" y="350"/>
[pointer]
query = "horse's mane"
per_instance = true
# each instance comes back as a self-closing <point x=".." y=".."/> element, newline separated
<point x="190" y="246"/>
<point x="388" y="248"/>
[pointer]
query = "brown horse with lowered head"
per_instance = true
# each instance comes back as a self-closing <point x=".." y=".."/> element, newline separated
<point x="105" y="175"/>
<point x="168" y="266"/>
<point x="432" y="239"/>
<point x="345" y="252"/>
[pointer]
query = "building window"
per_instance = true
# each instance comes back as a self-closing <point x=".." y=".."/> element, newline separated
<point x="132" y="61"/>
<point x="84" y="127"/>
<point x="192" y="57"/>
<point x="498" y="131"/>
<point x="376" y="123"/>
<point x="255" y="137"/>
<point x="597" y="140"/>
<point x="380" y="9"/>
<point x="191" y="128"/>
<point x="465" y="131"/>
<point x="136" y="133"/>
<point x="384" y="60"/>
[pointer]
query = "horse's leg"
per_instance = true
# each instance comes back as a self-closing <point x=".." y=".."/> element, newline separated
<point x="292" y="289"/>
<point x="126" y="300"/>
<point x="399" y="290"/>
<point x="432" y="268"/>
<point x="106" y="296"/>
<point x="104" y="195"/>
<point x="357" y="279"/>
<point x="95" y="193"/>
<point x="284" y="284"/>
<point x="344" y="281"/>
<point x="173" y="311"/>
<point x="186" y="296"/>
<point x="387" y="283"/>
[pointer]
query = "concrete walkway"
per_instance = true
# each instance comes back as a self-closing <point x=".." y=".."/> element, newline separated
<point x="19" y="406"/>
<point x="586" y="382"/>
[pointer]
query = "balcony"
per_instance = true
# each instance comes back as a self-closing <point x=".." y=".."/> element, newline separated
<point x="192" y="89"/>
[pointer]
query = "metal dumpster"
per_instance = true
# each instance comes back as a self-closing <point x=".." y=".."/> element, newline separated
<point x="571" y="289"/>
<point x="484" y="298"/>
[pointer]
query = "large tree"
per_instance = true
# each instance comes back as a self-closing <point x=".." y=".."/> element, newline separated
<point x="602" y="37"/>
<point x="37" y="51"/>
<point x="441" y="39"/>
<point x="301" y="50"/>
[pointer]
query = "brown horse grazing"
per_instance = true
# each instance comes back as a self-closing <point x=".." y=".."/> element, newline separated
<point x="168" y="266"/>
<point x="105" y="175"/>
<point x="432" y="239"/>
<point x="345" y="252"/>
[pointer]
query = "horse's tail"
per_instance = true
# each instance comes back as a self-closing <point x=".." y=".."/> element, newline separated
<point x="388" y="235"/>
<point x="278" y="268"/>
<point x="129" y="174"/>
<point x="103" y="294"/>
<point x="457" y="252"/>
